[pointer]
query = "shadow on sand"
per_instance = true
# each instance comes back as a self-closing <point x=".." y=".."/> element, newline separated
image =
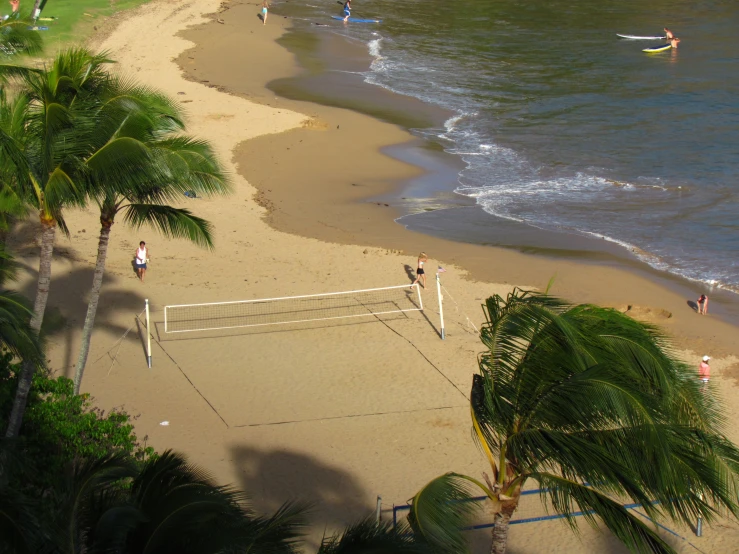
<point x="68" y="296"/>
<point x="272" y="477"/>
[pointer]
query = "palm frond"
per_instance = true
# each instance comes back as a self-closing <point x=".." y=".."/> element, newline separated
<point x="8" y="267"/>
<point x="19" y="523"/>
<point x="185" y="510"/>
<point x="193" y="164"/>
<point x="17" y="38"/>
<point x="16" y="334"/>
<point x="370" y="537"/>
<point x="276" y="534"/>
<point x="79" y="496"/>
<point x="171" y="222"/>
<point x="568" y="497"/>
<point x="442" y="508"/>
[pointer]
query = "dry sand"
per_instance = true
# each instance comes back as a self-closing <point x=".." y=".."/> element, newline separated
<point x="336" y="413"/>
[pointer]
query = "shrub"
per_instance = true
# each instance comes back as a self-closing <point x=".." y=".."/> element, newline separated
<point x="60" y="426"/>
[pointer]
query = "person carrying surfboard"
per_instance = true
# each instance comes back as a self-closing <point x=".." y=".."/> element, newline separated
<point x="347" y="10"/>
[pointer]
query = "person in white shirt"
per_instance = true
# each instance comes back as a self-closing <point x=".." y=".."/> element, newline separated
<point x="142" y="258"/>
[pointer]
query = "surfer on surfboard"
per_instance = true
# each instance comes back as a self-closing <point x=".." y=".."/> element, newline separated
<point x="347" y="9"/>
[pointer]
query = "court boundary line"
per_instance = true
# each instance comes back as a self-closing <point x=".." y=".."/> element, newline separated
<point x="349" y="416"/>
<point x="177" y="365"/>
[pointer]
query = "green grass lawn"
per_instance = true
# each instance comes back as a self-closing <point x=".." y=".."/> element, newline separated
<point x="76" y="19"/>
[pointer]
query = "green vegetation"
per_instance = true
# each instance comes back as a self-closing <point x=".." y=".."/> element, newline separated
<point x="60" y="426"/>
<point x="75" y="20"/>
<point x="588" y="403"/>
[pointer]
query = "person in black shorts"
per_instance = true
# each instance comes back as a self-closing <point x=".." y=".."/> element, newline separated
<point x="420" y="273"/>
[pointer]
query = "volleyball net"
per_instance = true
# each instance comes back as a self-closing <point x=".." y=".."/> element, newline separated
<point x="213" y="316"/>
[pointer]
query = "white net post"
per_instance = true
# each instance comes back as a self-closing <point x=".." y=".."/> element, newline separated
<point x="441" y="308"/>
<point x="148" y="335"/>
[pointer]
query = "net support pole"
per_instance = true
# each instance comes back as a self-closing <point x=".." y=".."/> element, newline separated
<point x="699" y="523"/>
<point x="441" y="308"/>
<point x="148" y="336"/>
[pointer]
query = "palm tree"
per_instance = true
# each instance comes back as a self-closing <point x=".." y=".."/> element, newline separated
<point x="586" y="402"/>
<point x="43" y="162"/>
<point x="138" y="120"/>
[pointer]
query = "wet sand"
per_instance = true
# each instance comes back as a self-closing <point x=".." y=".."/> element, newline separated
<point x="337" y="185"/>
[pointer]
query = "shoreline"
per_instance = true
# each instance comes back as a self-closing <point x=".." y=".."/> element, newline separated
<point x="351" y="214"/>
<point x="334" y="414"/>
<point x="325" y="80"/>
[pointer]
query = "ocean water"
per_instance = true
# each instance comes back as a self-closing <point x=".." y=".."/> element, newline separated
<point x="563" y="126"/>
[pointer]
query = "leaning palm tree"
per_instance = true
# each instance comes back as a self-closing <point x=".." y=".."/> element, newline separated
<point x="588" y="403"/>
<point x="44" y="162"/>
<point x="138" y="119"/>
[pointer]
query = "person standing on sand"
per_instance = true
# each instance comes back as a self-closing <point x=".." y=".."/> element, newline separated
<point x="347" y="10"/>
<point x="704" y="371"/>
<point x="265" y="9"/>
<point x="142" y="258"/>
<point x="420" y="273"/>
<point x="703" y="304"/>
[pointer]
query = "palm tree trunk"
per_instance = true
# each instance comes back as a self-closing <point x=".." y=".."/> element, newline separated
<point x="48" y="232"/>
<point x="500" y="531"/>
<point x="92" y="307"/>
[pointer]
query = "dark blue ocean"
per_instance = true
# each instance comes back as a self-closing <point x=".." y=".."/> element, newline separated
<point x="564" y="126"/>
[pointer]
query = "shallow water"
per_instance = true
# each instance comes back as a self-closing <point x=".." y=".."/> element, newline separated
<point x="563" y="126"/>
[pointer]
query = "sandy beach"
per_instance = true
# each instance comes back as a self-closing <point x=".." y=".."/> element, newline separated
<point x="334" y="412"/>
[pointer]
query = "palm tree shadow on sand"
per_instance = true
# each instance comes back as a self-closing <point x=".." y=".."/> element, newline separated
<point x="272" y="477"/>
<point x="69" y="292"/>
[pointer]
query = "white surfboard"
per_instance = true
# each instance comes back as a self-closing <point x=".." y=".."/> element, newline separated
<point x="636" y="37"/>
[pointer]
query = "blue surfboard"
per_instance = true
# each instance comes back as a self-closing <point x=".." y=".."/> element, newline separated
<point x="355" y="20"/>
